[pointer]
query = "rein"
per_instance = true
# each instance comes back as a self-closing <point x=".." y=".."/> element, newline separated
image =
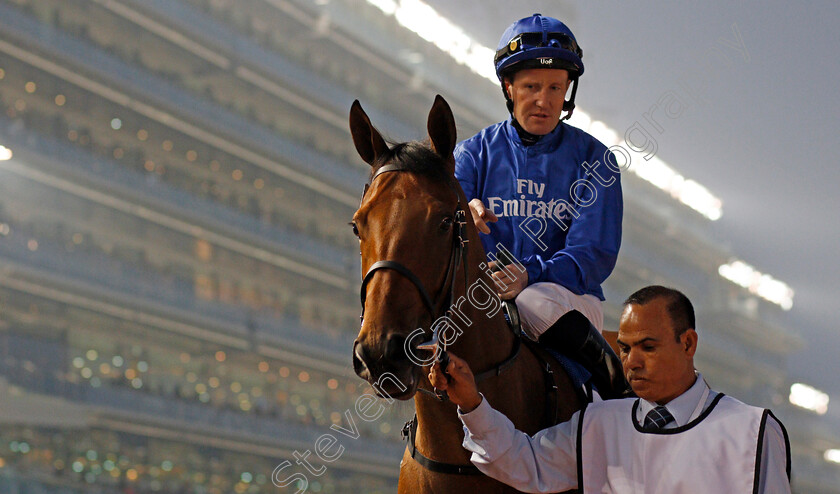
<point x="409" y="430"/>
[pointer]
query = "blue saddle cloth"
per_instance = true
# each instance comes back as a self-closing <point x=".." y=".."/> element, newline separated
<point x="576" y="371"/>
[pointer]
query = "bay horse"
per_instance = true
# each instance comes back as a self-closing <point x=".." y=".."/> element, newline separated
<point x="424" y="264"/>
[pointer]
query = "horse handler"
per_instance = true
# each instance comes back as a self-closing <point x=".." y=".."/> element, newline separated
<point x="553" y="195"/>
<point x="678" y="437"/>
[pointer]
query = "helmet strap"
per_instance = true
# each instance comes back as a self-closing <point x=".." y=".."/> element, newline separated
<point x="569" y="106"/>
<point x="508" y="101"/>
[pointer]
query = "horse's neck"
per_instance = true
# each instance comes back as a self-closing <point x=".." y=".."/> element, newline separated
<point x="487" y="340"/>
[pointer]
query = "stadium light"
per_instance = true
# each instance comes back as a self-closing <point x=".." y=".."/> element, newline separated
<point x="809" y="398"/>
<point x="832" y="455"/>
<point x="763" y="285"/>
<point x="5" y="153"/>
<point x="423" y="20"/>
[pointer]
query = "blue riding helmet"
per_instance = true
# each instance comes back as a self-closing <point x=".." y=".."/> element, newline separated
<point x="539" y="42"/>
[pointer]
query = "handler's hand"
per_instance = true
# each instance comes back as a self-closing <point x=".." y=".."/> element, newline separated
<point x="481" y="215"/>
<point x="460" y="386"/>
<point x="509" y="281"/>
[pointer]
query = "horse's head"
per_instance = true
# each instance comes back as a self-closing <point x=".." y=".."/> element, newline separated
<point x="407" y="217"/>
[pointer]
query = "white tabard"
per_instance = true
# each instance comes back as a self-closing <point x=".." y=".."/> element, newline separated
<point x="615" y="455"/>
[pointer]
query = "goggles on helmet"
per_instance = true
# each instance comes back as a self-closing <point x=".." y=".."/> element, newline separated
<point x="526" y="41"/>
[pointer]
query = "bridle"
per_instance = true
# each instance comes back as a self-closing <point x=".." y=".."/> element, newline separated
<point x="458" y="255"/>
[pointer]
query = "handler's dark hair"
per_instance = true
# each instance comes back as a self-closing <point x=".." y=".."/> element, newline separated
<point x="679" y="307"/>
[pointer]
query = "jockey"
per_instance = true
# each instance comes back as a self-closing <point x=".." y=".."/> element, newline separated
<point x="553" y="195"/>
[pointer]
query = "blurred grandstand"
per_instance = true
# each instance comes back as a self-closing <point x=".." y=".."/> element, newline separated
<point x="178" y="283"/>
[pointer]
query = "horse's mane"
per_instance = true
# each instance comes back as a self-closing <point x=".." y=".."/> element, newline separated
<point x="414" y="156"/>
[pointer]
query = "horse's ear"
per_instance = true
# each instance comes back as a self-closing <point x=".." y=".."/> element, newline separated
<point x="441" y="128"/>
<point x="368" y="141"/>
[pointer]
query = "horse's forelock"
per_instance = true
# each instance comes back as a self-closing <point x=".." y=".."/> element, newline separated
<point x="414" y="156"/>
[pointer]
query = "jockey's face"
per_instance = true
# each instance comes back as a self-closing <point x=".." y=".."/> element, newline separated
<point x="538" y="96"/>
<point x="658" y="366"/>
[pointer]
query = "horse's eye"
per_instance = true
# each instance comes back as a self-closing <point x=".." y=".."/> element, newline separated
<point x="355" y="228"/>
<point x="446" y="224"/>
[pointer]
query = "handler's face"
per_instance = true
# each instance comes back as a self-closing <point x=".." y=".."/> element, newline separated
<point x="658" y="367"/>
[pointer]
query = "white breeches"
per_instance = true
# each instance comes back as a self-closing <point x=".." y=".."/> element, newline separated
<point x="541" y="304"/>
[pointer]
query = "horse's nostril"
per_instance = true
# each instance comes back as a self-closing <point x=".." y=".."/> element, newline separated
<point x="359" y="359"/>
<point x="395" y="348"/>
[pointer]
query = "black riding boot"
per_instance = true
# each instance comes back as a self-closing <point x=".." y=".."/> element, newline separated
<point x="576" y="337"/>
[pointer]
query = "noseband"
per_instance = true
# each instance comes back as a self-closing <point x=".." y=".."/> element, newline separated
<point x="457" y="253"/>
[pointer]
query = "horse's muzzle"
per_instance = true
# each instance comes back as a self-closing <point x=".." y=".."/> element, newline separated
<point x="386" y="367"/>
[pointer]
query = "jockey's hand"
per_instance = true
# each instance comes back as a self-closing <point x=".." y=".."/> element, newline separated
<point x="509" y="281"/>
<point x="460" y="385"/>
<point x="481" y="215"/>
